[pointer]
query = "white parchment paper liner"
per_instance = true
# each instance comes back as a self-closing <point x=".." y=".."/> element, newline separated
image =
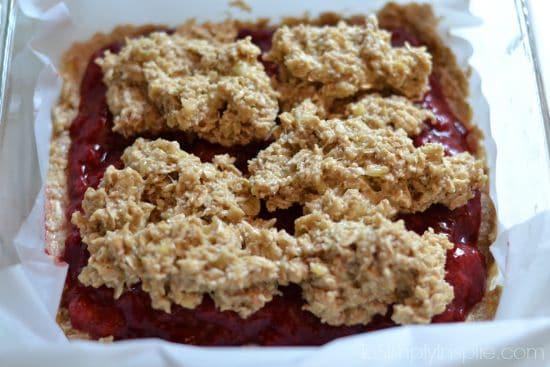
<point x="30" y="290"/>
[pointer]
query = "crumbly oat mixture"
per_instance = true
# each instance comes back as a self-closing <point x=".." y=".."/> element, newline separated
<point x="350" y="206"/>
<point x="357" y="270"/>
<point x="312" y="155"/>
<point x="217" y="90"/>
<point x="347" y="59"/>
<point x="183" y="228"/>
<point x="378" y="111"/>
<point x="178" y="183"/>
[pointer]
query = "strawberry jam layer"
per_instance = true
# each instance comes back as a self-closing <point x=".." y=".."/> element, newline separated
<point x="282" y="321"/>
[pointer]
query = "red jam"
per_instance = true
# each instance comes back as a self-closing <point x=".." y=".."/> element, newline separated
<point x="447" y="129"/>
<point x="282" y="321"/>
<point x="465" y="268"/>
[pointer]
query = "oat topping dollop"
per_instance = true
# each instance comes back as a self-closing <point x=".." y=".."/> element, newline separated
<point x="357" y="270"/>
<point x="218" y="90"/>
<point x="346" y="59"/>
<point x="311" y="155"/>
<point x="177" y="182"/>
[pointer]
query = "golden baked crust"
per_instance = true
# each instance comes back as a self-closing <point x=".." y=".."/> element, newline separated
<point x="417" y="19"/>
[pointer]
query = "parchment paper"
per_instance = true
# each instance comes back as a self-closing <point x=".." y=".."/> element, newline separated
<point x="30" y="289"/>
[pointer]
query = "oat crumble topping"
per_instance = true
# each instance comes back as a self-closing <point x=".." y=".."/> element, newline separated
<point x="177" y="182"/>
<point x="347" y="59"/>
<point x="311" y="155"/>
<point x="217" y="90"/>
<point x="343" y="150"/>
<point x="399" y="112"/>
<point x="357" y="270"/>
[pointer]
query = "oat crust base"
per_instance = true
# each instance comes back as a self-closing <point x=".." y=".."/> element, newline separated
<point x="419" y="20"/>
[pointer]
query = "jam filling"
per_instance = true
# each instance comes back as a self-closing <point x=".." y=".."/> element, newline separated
<point x="94" y="146"/>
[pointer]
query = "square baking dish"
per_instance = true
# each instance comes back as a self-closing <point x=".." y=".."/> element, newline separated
<point x="502" y="56"/>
